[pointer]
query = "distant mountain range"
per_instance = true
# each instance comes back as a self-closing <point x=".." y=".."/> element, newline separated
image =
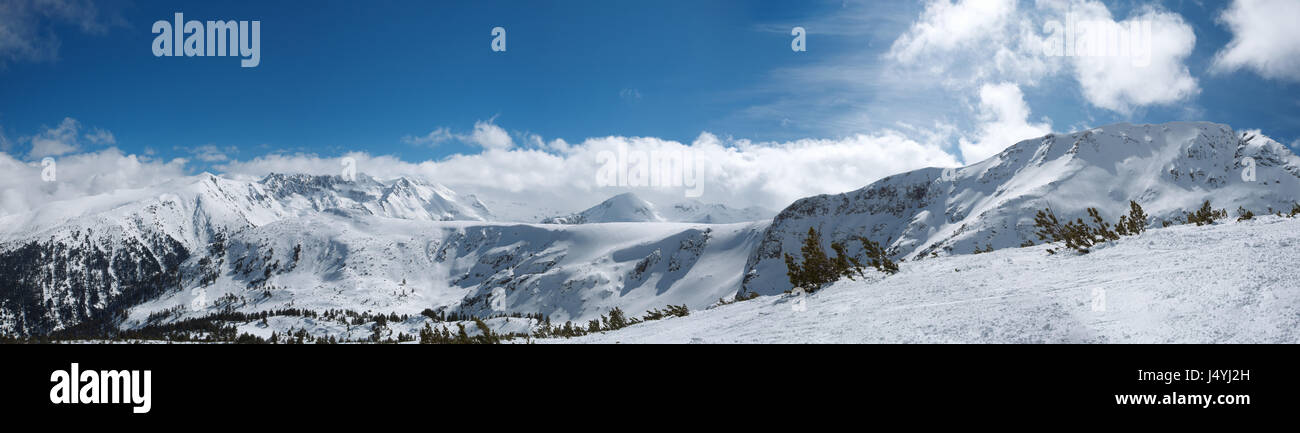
<point x="627" y="207"/>
<point x="201" y="245"/>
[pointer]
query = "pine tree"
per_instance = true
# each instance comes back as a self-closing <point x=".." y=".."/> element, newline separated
<point x="617" y="320"/>
<point x="1048" y="228"/>
<point x="488" y="336"/>
<point x="1102" y="232"/>
<point x="678" y="310"/>
<point x="1137" y="219"/>
<point x="817" y="270"/>
<point x="462" y="337"/>
<point x="427" y="336"/>
<point x="879" y="259"/>
<point x="1204" y="216"/>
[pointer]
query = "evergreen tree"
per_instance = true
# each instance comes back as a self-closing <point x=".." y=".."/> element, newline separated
<point x="1203" y="216"/>
<point x="879" y="259"/>
<point x="1137" y="219"/>
<point x="616" y="319"/>
<point x="462" y="337"/>
<point x="818" y="269"/>
<point x="427" y="336"/>
<point x="487" y="337"/>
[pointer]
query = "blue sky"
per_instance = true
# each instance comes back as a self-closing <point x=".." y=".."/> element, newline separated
<point x="346" y="76"/>
<point x="364" y="74"/>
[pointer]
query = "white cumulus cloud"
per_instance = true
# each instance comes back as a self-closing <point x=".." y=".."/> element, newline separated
<point x="1154" y="76"/>
<point x="1005" y="121"/>
<point x="947" y="25"/>
<point x="23" y="189"/>
<point x="1265" y="38"/>
<point x="490" y="136"/>
<point x="736" y="172"/>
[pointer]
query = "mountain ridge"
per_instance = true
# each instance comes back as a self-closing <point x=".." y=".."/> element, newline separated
<point x="1170" y="169"/>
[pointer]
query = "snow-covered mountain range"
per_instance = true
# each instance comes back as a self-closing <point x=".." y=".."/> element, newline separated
<point x="1169" y="169"/>
<point x="198" y="246"/>
<point x="193" y="247"/>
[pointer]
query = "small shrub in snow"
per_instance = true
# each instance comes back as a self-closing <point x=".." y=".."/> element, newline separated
<point x="1244" y="214"/>
<point x="1206" y="215"/>
<point x="1076" y="235"/>
<point x="669" y="311"/>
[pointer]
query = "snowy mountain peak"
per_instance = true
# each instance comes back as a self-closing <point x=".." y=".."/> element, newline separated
<point x="625" y="207"/>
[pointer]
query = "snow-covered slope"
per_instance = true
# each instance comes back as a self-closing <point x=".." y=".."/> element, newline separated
<point x="1228" y="283"/>
<point x="628" y="207"/>
<point x="1169" y="169"/>
<point x="397" y="266"/>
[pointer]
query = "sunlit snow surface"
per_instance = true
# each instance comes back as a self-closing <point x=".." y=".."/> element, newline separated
<point x="1231" y="283"/>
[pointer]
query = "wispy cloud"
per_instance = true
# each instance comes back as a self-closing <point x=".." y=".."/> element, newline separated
<point x="486" y="134"/>
<point x="27" y="26"/>
<point x="65" y="138"/>
<point x="59" y="140"/>
<point x="6" y="146"/>
<point x="630" y="95"/>
<point x="211" y="153"/>
<point x="433" y="138"/>
<point x="101" y="137"/>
